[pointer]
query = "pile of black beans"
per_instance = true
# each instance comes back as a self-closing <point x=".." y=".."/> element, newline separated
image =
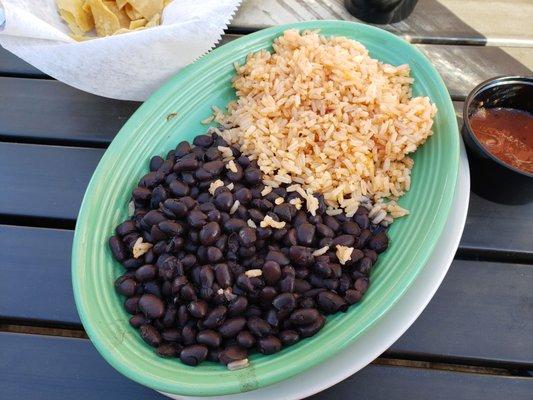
<point x="215" y="285"/>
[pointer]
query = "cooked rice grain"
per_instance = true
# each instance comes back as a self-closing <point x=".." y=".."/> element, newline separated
<point x="320" y="112"/>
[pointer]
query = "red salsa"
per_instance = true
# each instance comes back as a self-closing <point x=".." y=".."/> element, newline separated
<point x="506" y="133"/>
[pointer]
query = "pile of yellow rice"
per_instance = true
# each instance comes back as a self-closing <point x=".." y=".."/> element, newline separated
<point x="323" y="116"/>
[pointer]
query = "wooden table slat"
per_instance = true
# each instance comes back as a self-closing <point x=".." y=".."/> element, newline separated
<point x="485" y="303"/>
<point x="44" y="367"/>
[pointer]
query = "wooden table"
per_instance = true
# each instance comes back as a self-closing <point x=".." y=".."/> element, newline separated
<point x="474" y="340"/>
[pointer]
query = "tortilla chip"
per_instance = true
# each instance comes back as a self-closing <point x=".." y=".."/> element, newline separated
<point x="147" y="8"/>
<point x="137" y="23"/>
<point x="105" y="21"/>
<point x="77" y="19"/>
<point x="132" y="12"/>
<point x="154" y="21"/>
<point x="123" y="19"/>
<point x="86" y="7"/>
<point x="165" y="3"/>
<point x="121" y="3"/>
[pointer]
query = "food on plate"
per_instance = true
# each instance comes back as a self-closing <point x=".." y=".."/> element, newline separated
<point x="245" y="240"/>
<point x="321" y="113"/>
<point x="110" y="17"/>
<point x="219" y="265"/>
<point x="507" y="134"/>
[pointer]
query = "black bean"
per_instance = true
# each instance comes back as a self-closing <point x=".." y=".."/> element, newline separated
<point x="182" y="149"/>
<point x="174" y="208"/>
<point x="247" y="236"/>
<point x="198" y="308"/>
<point x="361" y="284"/>
<point x="223" y="275"/>
<point x="169" y="267"/>
<point x="169" y="319"/>
<point x="301" y="286"/>
<point x="266" y="295"/>
<point x="256" y="215"/>
<point x="168" y="350"/>
<point x="305" y="234"/>
<point x="343" y="240"/>
<point x="152" y="287"/>
<point x="252" y="175"/>
<point x="126" y="228"/>
<point x="118" y="249"/>
<point x="187" y="293"/>
<point x="186" y="163"/>
<point x="224" y="201"/>
<point x="312" y="328"/>
<point x="352" y="296"/>
<point x="269" y="344"/>
<point x="203" y="141"/>
<point x="151" y="179"/>
<point x="289" y="337"/>
<point x="151" y="306"/>
<point x="188" y="334"/>
<point x="285" y="301"/>
<point x="301" y="256"/>
<point x="171" y="228"/>
<point x="315" y="219"/>
<point x="332" y="223"/>
<point x="271" y="272"/>
<point x="126" y="286"/>
<point x="231" y="354"/>
<point x="171" y="335"/>
<point x="196" y="219"/>
<point x="362" y="220"/>
<point x="258" y="326"/>
<point x="193" y="355"/>
<point x="214" y="255"/>
<point x="234" y="225"/>
<point x="137" y="320"/>
<point x="245" y="339"/>
<point x="146" y="273"/>
<point x="209" y="337"/>
<point x="155" y="163"/>
<point x="304" y="316"/>
<point x="237" y="306"/>
<point x="243" y="281"/>
<point x="371" y="254"/>
<point x="150" y="335"/>
<point x="285" y="211"/>
<point x="153" y="217"/>
<point x="351" y="228"/>
<point x="209" y="233"/>
<point x="141" y="194"/>
<point x="244" y="195"/>
<point x="215" y="317"/>
<point x="378" y="242"/>
<point x="131" y="305"/>
<point x="330" y="302"/>
<point x="277" y="256"/>
<point x="232" y="326"/>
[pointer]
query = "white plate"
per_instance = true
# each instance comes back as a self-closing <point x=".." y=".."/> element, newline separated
<point x="389" y="328"/>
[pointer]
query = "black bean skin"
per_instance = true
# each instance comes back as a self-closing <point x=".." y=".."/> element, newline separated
<point x="215" y="317"/>
<point x="312" y="328"/>
<point x="245" y="339"/>
<point x="209" y="338"/>
<point x="247" y="236"/>
<point x="379" y="242"/>
<point x="209" y="233"/>
<point x="237" y="306"/>
<point x="285" y="301"/>
<point x="258" y="326"/>
<point x="271" y="272"/>
<point x="168" y="350"/>
<point x="351" y="228"/>
<point x="188" y="334"/>
<point x="150" y="335"/>
<point x="131" y="305"/>
<point x="305" y="234"/>
<point x="231" y="354"/>
<point x="151" y="306"/>
<point x="224" y="201"/>
<point x="196" y="219"/>
<point x="362" y="220"/>
<point x="231" y="327"/>
<point x="171" y="335"/>
<point x="198" y="308"/>
<point x="304" y="316"/>
<point x="352" y="296"/>
<point x="269" y="344"/>
<point x="330" y="302"/>
<point x="118" y="249"/>
<point x="193" y="355"/>
<point x="126" y="228"/>
<point x="344" y="240"/>
<point x="289" y="337"/>
<point x="138" y="320"/>
<point x="125" y="286"/>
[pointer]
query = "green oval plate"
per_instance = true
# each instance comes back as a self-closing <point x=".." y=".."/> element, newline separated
<point x="173" y="114"/>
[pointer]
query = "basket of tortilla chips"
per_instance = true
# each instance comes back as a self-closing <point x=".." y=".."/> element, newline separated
<point x="124" y="49"/>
